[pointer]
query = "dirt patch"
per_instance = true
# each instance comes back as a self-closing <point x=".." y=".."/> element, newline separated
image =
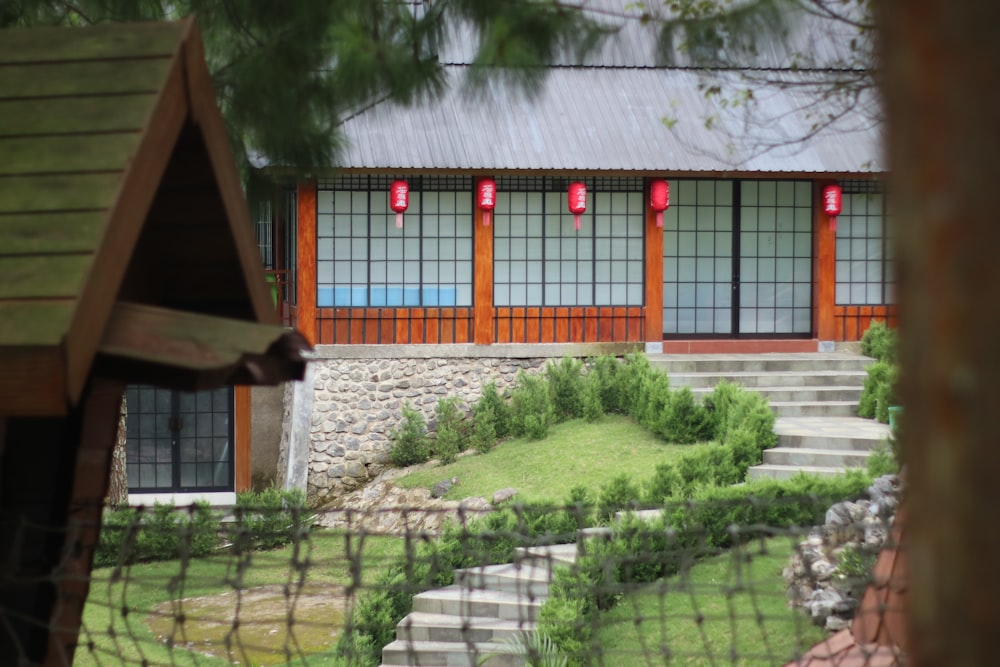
<point x="267" y="625"/>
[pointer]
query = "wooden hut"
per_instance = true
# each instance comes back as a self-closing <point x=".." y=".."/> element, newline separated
<point x="127" y="257"/>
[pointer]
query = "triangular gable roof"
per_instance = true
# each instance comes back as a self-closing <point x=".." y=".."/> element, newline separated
<point x="117" y="185"/>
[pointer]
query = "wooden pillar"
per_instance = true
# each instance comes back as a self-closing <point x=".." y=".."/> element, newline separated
<point x="824" y="268"/>
<point x="242" y="438"/>
<point x="305" y="286"/>
<point x="482" y="267"/>
<point x="654" y="274"/>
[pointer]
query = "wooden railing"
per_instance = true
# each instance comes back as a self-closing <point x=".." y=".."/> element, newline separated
<point x="456" y="325"/>
<point x="853" y="321"/>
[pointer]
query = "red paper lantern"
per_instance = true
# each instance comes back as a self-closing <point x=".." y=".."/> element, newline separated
<point x="832" y="202"/>
<point x="577" y="201"/>
<point x="659" y="199"/>
<point x="487" y="198"/>
<point x="399" y="200"/>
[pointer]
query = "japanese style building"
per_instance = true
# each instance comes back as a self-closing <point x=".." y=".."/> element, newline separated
<point x="745" y="253"/>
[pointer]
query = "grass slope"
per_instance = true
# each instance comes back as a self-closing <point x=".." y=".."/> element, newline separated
<point x="728" y="610"/>
<point x="575" y="453"/>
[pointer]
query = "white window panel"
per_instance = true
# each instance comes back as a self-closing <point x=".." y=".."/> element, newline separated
<point x="324" y="272"/>
<point x="324" y="250"/>
<point x="324" y="225"/>
<point x="533" y="296"/>
<point x="619" y="293"/>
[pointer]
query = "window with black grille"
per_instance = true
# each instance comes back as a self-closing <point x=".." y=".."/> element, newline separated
<point x="178" y="441"/>
<point x="364" y="260"/>
<point x="540" y="259"/>
<point x="865" y="261"/>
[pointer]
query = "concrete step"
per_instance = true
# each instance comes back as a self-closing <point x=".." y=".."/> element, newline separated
<point x="725" y="363"/>
<point x="808" y="457"/>
<point x="815" y="408"/>
<point x="423" y="626"/>
<point x="770" y="471"/>
<point x="461" y="601"/>
<point x="826" y="433"/>
<point x="801" y="394"/>
<point x="547" y="556"/>
<point x="447" y="654"/>
<point x="754" y="379"/>
<point x="521" y="578"/>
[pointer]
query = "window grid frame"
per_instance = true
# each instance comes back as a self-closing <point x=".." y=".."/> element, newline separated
<point x="538" y="270"/>
<point x="419" y="293"/>
<point x="845" y="232"/>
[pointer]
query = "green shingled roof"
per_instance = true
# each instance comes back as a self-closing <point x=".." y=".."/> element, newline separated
<point x="104" y="133"/>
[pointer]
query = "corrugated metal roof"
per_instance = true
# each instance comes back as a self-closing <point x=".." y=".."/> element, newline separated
<point x="612" y="119"/>
<point x="803" y="39"/>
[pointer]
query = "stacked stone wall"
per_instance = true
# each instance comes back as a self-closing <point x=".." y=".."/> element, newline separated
<point x="358" y="403"/>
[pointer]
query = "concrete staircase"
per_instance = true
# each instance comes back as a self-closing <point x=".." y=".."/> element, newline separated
<point x="466" y="623"/>
<point x="814" y="397"/>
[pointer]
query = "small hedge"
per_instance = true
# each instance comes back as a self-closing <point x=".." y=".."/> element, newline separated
<point x="163" y="532"/>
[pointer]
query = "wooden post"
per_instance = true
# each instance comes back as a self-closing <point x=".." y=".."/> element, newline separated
<point x="824" y="268"/>
<point x="305" y="286"/>
<point x="243" y="438"/>
<point x="482" y="267"/>
<point x="654" y="275"/>
<point x="940" y="74"/>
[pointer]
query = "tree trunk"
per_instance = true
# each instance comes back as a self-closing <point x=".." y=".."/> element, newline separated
<point x="942" y="90"/>
<point x="118" y="484"/>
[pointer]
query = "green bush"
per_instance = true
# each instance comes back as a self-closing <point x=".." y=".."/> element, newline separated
<point x="269" y="518"/>
<point x="602" y="373"/>
<point x="652" y="400"/>
<point x="882" y="461"/>
<point x="718" y="404"/>
<point x="683" y="420"/>
<point x="450" y="430"/>
<point x="531" y="410"/>
<point x="491" y="402"/>
<point x="750" y="411"/>
<point x="880" y="342"/>
<point x="484" y="434"/>
<point x="566" y="385"/>
<point x="618" y="494"/>
<point x="134" y="535"/>
<point x="593" y="407"/>
<point x="410" y="445"/>
<point x="628" y="381"/>
<point x="879" y="391"/>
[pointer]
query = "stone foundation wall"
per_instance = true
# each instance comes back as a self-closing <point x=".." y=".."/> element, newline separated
<point x="360" y="390"/>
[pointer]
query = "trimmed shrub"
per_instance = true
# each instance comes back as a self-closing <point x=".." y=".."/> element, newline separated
<point x="450" y="431"/>
<point x="880" y="342"/>
<point x="565" y="384"/>
<point x="491" y="401"/>
<point x="879" y="384"/>
<point x="593" y="407"/>
<point x="603" y="373"/>
<point x="163" y="532"/>
<point x="531" y="410"/>
<point x="885" y="394"/>
<point x="718" y="404"/>
<point x="750" y="411"/>
<point x="484" y="435"/>
<point x="683" y="420"/>
<point x="270" y="518"/>
<point x="618" y="494"/>
<point x="410" y="445"/>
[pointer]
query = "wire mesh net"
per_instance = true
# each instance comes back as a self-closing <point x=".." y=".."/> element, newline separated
<point x="765" y="579"/>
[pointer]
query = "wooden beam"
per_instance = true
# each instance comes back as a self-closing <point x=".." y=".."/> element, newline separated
<point x="305" y="284"/>
<point x="654" y="274"/>
<point x="96" y="441"/>
<point x="482" y="266"/>
<point x="242" y="437"/>
<point x="824" y="269"/>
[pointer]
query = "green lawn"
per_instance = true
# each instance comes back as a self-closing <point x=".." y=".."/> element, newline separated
<point x="141" y="606"/>
<point x="575" y="453"/>
<point x="740" y="600"/>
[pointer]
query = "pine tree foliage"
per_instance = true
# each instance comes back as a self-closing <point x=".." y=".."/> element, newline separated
<point x="288" y="72"/>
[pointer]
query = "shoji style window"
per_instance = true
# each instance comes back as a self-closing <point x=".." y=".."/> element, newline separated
<point x="865" y="262"/>
<point x="539" y="259"/>
<point x="363" y="260"/>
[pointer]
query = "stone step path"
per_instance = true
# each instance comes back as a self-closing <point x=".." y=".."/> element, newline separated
<point x="814" y="397"/>
<point x="466" y="624"/>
